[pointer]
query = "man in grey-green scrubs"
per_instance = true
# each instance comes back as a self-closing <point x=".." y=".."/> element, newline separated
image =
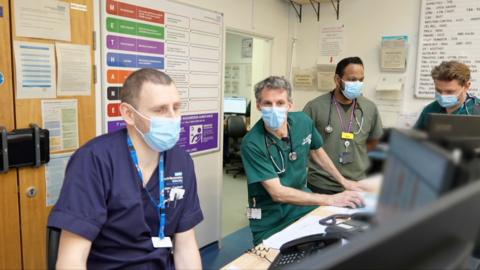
<point x="275" y="154"/>
<point x="452" y="82"/>
<point x="350" y="125"/>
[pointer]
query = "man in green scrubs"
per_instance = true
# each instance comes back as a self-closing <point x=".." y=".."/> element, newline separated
<point x="275" y="154"/>
<point x="350" y="125"/>
<point x="452" y="82"/>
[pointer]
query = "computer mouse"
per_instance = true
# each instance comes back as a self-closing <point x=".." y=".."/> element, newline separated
<point x="357" y="206"/>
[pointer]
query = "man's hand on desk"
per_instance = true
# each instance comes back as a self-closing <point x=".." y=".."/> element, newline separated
<point x="347" y="198"/>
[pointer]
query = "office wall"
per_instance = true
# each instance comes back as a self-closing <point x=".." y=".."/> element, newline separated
<point x="365" y="23"/>
<point x="267" y="18"/>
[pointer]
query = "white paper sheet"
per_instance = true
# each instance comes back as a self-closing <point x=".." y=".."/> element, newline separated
<point x="60" y="117"/>
<point x="306" y="226"/>
<point x="332" y="43"/>
<point x="74" y="69"/>
<point x="54" y="175"/>
<point x="35" y="70"/>
<point x="48" y="19"/>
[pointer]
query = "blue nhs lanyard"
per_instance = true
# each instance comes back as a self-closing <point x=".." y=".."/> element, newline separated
<point x="160" y="206"/>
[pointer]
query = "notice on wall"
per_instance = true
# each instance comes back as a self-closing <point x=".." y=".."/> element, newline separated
<point x="35" y="70"/>
<point x="393" y="53"/>
<point x="74" y="69"/>
<point x="303" y="79"/>
<point x="183" y="41"/>
<point x="54" y="175"/>
<point x="60" y="117"/>
<point x="332" y="43"/>
<point x="47" y="19"/>
<point x="449" y="30"/>
<point x="325" y="77"/>
<point x="198" y="132"/>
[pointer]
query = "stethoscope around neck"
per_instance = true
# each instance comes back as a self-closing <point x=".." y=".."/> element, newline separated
<point x="469" y="97"/>
<point x="329" y="129"/>
<point x="292" y="155"/>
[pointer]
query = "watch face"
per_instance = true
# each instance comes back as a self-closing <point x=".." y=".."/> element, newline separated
<point x="292" y="156"/>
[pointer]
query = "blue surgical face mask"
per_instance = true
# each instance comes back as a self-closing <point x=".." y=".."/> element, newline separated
<point x="163" y="134"/>
<point x="446" y="101"/>
<point x="274" y="117"/>
<point x="352" y="89"/>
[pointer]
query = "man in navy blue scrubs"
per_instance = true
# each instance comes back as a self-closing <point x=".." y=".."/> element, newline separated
<point x="129" y="199"/>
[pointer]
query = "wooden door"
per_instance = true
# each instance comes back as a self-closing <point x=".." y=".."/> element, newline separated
<point x="33" y="210"/>
<point x="10" y="252"/>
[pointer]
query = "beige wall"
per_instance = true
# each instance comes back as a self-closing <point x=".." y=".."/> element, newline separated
<point x="365" y="23"/>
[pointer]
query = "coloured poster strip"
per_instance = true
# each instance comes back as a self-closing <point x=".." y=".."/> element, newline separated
<point x="116" y="125"/>
<point x="135" y="29"/>
<point x="134" y="61"/>
<point x="135" y="12"/>
<point x="134" y="45"/>
<point x="199" y="132"/>
<point x="117" y="76"/>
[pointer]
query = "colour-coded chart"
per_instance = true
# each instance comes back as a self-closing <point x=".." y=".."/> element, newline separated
<point x="185" y="42"/>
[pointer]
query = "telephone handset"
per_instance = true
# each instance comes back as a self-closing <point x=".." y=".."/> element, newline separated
<point x="296" y="250"/>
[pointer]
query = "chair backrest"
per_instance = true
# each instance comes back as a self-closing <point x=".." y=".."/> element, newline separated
<point x="53" y="239"/>
<point x="236" y="126"/>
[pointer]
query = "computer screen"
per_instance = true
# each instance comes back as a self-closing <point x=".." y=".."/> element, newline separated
<point x="418" y="215"/>
<point x="416" y="172"/>
<point x="234" y="105"/>
<point x="440" y="236"/>
<point x="453" y="126"/>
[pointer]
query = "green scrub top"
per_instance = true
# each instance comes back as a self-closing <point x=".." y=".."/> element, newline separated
<point x="259" y="167"/>
<point x="318" y="109"/>
<point x="470" y="107"/>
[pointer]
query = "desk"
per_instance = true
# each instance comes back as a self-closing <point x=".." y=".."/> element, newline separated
<point x="251" y="261"/>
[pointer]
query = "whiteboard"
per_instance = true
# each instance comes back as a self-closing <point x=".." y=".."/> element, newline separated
<point x="184" y="41"/>
<point x="449" y="30"/>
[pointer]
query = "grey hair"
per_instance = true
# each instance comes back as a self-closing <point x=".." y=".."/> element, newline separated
<point x="273" y="82"/>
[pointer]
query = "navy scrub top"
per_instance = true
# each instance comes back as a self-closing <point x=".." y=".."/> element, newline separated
<point x="102" y="200"/>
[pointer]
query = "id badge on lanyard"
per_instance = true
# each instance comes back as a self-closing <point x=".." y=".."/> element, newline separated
<point x="160" y="241"/>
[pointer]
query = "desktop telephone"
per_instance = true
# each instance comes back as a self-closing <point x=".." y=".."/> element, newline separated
<point x="295" y="250"/>
<point x="355" y="224"/>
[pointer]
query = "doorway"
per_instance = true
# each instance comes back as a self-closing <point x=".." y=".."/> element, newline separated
<point x="247" y="61"/>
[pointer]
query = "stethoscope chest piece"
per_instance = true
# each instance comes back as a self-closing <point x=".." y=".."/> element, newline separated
<point x="328" y="129"/>
<point x="292" y="156"/>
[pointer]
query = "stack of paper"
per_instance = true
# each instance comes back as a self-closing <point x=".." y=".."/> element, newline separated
<point x="306" y="226"/>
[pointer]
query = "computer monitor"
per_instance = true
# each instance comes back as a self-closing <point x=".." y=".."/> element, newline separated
<point x="440" y="236"/>
<point x="442" y="126"/>
<point x="416" y="172"/>
<point x="234" y="105"/>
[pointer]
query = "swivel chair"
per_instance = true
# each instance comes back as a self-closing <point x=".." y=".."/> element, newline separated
<point x="53" y="240"/>
<point x="236" y="129"/>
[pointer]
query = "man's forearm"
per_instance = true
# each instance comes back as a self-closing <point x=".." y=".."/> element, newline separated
<point x="185" y="253"/>
<point x="298" y="197"/>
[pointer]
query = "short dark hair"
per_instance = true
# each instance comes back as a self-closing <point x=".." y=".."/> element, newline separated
<point x="340" y="69"/>
<point x="130" y="91"/>
<point x="452" y="70"/>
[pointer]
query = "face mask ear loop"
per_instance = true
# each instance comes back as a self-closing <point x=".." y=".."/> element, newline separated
<point x="141" y="115"/>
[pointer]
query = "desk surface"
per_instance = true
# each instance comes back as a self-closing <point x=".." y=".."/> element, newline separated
<point x="252" y="261"/>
